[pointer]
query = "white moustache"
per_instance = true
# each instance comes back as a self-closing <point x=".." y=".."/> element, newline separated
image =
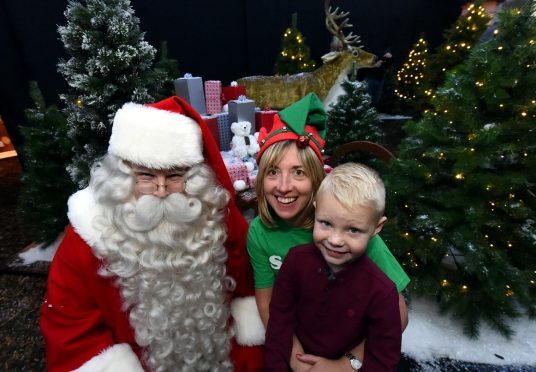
<point x="147" y="212"/>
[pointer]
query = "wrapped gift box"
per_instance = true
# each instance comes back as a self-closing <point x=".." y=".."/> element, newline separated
<point x="236" y="168"/>
<point x="264" y="119"/>
<point x="213" y="95"/>
<point x="191" y="89"/>
<point x="224" y="130"/>
<point x="232" y="92"/>
<point x="252" y="177"/>
<point x="212" y="123"/>
<point x="242" y="109"/>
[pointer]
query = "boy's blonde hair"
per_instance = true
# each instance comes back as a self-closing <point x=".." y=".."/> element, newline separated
<point x="353" y="184"/>
<point x="312" y="167"/>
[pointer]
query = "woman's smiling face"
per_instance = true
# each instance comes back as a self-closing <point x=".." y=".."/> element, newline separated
<point x="287" y="186"/>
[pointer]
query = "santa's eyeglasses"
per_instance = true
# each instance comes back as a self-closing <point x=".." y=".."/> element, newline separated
<point x="150" y="186"/>
<point x="149" y="181"/>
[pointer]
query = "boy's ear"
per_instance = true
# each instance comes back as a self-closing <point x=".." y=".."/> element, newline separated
<point x="380" y="224"/>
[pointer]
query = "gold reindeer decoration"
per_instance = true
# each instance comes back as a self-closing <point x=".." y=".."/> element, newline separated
<point x="280" y="91"/>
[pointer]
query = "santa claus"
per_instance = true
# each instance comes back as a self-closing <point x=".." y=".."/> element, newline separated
<point x="153" y="272"/>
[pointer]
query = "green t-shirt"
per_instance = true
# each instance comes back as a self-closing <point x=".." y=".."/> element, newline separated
<point x="268" y="248"/>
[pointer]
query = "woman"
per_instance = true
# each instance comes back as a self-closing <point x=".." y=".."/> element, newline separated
<point x="290" y="172"/>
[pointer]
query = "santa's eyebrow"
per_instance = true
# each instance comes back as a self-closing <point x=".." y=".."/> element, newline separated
<point x="143" y="173"/>
<point x="175" y="171"/>
<point x="178" y="171"/>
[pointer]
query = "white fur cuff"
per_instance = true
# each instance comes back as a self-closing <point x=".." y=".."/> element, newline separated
<point x="119" y="357"/>
<point x="248" y="326"/>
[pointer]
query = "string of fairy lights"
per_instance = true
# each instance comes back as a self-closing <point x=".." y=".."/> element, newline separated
<point x="412" y="74"/>
<point x="492" y="204"/>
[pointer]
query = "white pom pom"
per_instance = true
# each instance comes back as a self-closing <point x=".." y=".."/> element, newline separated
<point x="249" y="166"/>
<point x="239" y="185"/>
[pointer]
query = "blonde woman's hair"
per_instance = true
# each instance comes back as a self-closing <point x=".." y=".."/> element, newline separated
<point x="353" y="184"/>
<point x="313" y="169"/>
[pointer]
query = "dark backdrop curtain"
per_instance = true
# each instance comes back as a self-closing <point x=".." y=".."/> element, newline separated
<point x="221" y="40"/>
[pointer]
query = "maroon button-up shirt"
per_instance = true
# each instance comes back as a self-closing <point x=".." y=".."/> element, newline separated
<point x="331" y="313"/>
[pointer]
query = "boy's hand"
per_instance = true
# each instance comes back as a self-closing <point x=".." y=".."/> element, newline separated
<point x="316" y="363"/>
<point x="298" y="366"/>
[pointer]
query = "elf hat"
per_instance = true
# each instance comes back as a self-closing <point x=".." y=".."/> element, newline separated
<point x="304" y="122"/>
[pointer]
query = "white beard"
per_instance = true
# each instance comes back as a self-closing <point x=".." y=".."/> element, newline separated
<point x="169" y="260"/>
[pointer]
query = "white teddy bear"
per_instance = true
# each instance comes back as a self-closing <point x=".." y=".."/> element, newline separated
<point x="243" y="144"/>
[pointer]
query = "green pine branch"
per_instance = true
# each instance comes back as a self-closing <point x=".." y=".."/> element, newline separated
<point x="46" y="186"/>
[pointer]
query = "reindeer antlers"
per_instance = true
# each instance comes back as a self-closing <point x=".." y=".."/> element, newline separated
<point x="337" y="30"/>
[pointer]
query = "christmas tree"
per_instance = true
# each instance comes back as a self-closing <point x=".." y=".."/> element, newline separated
<point x="352" y="118"/>
<point x="110" y="64"/>
<point x="46" y="186"/>
<point x="423" y="73"/>
<point x="459" y="39"/>
<point x="169" y="68"/>
<point x="295" y="56"/>
<point x="412" y="87"/>
<point x="462" y="197"/>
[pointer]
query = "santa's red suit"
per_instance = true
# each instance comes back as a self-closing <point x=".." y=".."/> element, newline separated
<point x="82" y="320"/>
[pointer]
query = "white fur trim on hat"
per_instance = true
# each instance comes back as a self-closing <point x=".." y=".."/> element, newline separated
<point x="155" y="138"/>
<point x="248" y="327"/>
<point x="119" y="357"/>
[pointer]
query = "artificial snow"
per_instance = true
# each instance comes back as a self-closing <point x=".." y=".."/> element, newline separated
<point x="40" y="253"/>
<point x="385" y="117"/>
<point x="429" y="335"/>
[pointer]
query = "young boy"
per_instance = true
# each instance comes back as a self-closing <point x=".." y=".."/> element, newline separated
<point x="330" y="294"/>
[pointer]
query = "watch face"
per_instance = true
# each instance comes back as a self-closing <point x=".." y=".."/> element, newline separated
<point x="355" y="363"/>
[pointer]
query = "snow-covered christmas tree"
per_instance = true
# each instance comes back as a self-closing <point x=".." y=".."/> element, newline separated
<point x="352" y="118"/>
<point x="110" y="64"/>
<point x="462" y="197"/>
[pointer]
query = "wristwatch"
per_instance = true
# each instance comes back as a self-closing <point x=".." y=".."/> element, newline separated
<point x="354" y="362"/>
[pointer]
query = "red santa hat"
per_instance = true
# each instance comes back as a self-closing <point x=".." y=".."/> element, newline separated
<point x="170" y="133"/>
<point x="165" y="134"/>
